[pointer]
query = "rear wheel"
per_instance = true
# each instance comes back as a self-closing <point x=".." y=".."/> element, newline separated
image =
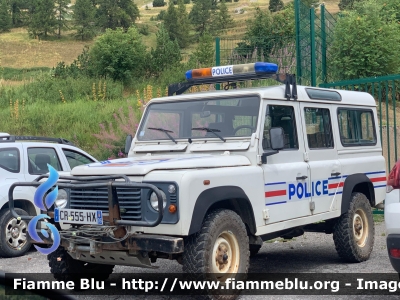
<point x="65" y="268"/>
<point x="353" y="233"/>
<point x="13" y="234"/>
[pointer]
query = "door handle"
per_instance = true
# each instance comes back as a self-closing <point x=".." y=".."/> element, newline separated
<point x="301" y="177"/>
<point x="335" y="174"/>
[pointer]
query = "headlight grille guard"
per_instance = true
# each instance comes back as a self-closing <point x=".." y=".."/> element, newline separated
<point x="71" y="182"/>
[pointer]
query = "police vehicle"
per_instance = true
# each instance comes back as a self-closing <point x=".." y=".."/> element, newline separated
<point x="211" y="175"/>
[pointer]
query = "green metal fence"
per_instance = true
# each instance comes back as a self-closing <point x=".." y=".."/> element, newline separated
<point x="276" y="49"/>
<point x="306" y="53"/>
<point x="386" y="91"/>
<point x="314" y="34"/>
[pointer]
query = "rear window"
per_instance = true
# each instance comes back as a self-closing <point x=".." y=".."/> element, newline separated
<point x="9" y="159"/>
<point x="356" y="127"/>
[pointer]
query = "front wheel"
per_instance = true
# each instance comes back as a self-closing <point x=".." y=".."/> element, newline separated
<point x="354" y="232"/>
<point x="13" y="234"/>
<point x="219" y="250"/>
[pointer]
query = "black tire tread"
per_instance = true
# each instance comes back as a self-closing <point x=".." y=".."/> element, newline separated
<point x="196" y="254"/>
<point x="342" y="231"/>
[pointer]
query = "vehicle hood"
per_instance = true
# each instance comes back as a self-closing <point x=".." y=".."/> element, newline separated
<point x="145" y="164"/>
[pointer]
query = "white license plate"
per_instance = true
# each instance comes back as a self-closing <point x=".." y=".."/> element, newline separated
<point x="78" y="216"/>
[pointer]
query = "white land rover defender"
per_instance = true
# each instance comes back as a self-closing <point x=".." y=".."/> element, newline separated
<point x="211" y="175"/>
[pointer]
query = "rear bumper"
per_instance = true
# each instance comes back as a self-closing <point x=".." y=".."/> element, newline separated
<point x="393" y="242"/>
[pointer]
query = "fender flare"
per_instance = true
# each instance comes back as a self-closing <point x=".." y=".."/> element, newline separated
<point x="232" y="197"/>
<point x="350" y="183"/>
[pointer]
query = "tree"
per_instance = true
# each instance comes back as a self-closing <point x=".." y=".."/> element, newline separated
<point x="367" y="44"/>
<point x="258" y="34"/>
<point x="204" y="54"/>
<point x="113" y="14"/>
<point x="171" y="21"/>
<point x="224" y="19"/>
<point x="119" y="55"/>
<point x="16" y="7"/>
<point x="202" y="15"/>
<point x="61" y="13"/>
<point x="84" y="19"/>
<point x="275" y="5"/>
<point x="177" y="23"/>
<point x="166" y="53"/>
<point x="5" y="17"/>
<point x="42" y="20"/>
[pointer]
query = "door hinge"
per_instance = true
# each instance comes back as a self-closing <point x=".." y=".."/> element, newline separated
<point x="266" y="214"/>
<point x="306" y="156"/>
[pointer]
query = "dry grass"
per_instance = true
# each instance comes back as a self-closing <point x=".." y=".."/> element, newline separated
<point x="17" y="50"/>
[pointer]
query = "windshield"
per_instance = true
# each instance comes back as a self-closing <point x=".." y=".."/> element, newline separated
<point x="212" y="118"/>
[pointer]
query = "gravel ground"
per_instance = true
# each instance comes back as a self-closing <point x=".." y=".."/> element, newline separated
<point x="312" y="252"/>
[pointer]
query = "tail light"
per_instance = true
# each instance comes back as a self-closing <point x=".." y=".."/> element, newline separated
<point x="393" y="181"/>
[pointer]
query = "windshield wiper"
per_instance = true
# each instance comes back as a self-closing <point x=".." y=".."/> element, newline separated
<point x="210" y="130"/>
<point x="165" y="131"/>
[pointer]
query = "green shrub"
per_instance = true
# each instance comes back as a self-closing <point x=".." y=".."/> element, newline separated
<point x="366" y="45"/>
<point x="118" y="55"/>
<point x="159" y="3"/>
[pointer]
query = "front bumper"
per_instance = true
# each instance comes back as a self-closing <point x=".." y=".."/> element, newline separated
<point x="100" y="245"/>
<point x="393" y="242"/>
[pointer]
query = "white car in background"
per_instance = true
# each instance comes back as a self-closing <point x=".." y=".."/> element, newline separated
<point x="392" y="216"/>
<point x="24" y="158"/>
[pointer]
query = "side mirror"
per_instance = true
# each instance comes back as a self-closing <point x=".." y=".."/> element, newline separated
<point x="277" y="140"/>
<point x="277" y="137"/>
<point x="128" y="143"/>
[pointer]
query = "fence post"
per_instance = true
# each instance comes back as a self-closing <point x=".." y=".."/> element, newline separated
<point x="313" y="56"/>
<point x="298" y="50"/>
<point x="323" y="42"/>
<point x="217" y="57"/>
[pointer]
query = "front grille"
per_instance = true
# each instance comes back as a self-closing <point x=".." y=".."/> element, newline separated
<point x="97" y="199"/>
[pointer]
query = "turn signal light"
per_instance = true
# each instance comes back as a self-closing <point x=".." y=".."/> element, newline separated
<point x="395" y="253"/>
<point x="172" y="208"/>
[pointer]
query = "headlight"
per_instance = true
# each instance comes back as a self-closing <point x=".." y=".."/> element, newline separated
<point x="62" y="199"/>
<point x="154" y="200"/>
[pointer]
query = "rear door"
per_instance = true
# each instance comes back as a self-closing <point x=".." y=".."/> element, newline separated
<point x="321" y="156"/>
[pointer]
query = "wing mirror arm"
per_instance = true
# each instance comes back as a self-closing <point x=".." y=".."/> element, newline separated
<point x="266" y="154"/>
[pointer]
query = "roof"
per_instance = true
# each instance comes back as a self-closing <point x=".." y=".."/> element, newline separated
<point x="278" y="92"/>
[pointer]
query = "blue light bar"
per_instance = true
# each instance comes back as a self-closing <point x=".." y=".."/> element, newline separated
<point x="265" y="68"/>
<point x="257" y="68"/>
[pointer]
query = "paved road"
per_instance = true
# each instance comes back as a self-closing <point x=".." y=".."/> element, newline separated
<point x="312" y="252"/>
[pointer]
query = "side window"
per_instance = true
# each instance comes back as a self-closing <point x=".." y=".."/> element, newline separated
<point x="356" y="127"/>
<point x="319" y="128"/>
<point x="281" y="116"/>
<point x="9" y="159"/>
<point x="76" y="159"/>
<point x="40" y="157"/>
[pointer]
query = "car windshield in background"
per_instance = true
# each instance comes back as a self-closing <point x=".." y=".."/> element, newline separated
<point x="233" y="117"/>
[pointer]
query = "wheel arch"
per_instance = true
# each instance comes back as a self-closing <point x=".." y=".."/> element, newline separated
<point x="357" y="183"/>
<point x="228" y="197"/>
<point x="24" y="204"/>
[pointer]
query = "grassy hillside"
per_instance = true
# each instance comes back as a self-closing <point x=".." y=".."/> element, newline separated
<point x="17" y="50"/>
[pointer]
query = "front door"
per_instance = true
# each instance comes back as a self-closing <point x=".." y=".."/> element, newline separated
<point x="286" y="174"/>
